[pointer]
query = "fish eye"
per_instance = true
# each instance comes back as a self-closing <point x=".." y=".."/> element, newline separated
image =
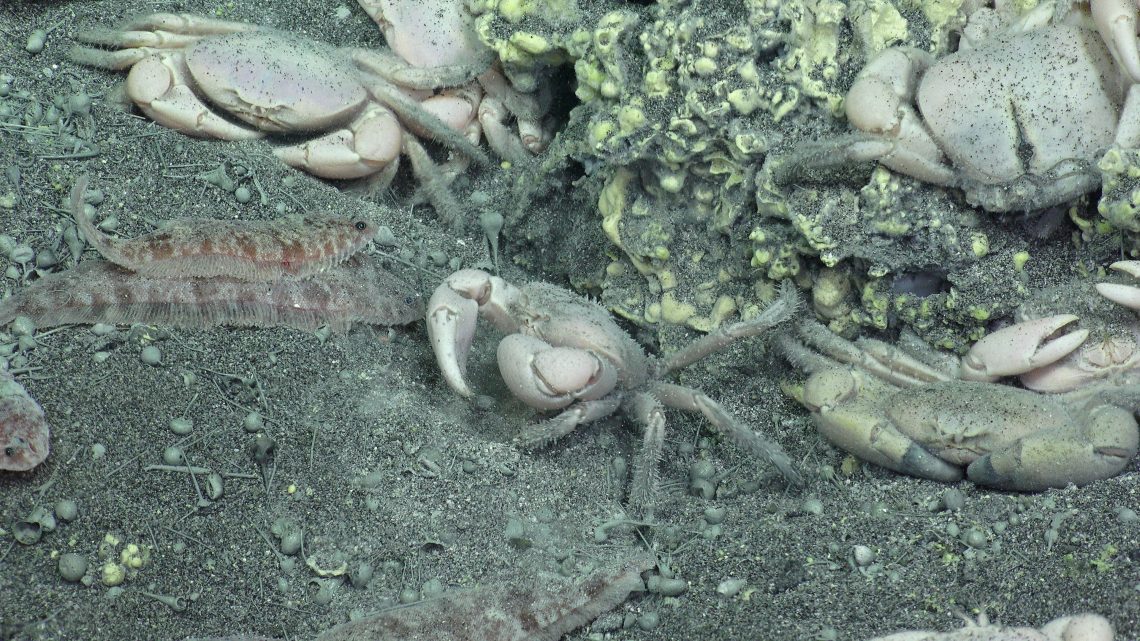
<point x="361" y="225"/>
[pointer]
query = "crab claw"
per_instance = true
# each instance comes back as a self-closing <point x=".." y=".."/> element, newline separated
<point x="452" y="312"/>
<point x="1021" y="348"/>
<point x="1125" y="295"/>
<point x="546" y="377"/>
<point x="1116" y="21"/>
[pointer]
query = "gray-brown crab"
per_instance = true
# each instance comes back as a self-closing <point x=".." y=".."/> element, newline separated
<point x="564" y="352"/>
<point x="888" y="407"/>
<point x="1016" y="117"/>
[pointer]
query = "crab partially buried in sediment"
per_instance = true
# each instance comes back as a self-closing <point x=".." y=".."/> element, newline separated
<point x="563" y="352"/>
<point x="888" y="407"/>
<point x="232" y="80"/>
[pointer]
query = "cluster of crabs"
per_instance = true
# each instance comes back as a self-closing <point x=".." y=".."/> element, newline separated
<point x="991" y="119"/>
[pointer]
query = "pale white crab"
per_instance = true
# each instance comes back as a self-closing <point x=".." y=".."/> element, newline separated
<point x="1080" y="627"/>
<point x="564" y="352"/>
<point x="906" y="414"/>
<point x="232" y="80"/>
<point x="1018" y="119"/>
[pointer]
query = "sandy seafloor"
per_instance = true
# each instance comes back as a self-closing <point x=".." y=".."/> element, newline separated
<point x="447" y="497"/>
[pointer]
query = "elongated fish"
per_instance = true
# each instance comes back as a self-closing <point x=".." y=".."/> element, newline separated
<point x="97" y="291"/>
<point x="253" y="250"/>
<point x="527" y="611"/>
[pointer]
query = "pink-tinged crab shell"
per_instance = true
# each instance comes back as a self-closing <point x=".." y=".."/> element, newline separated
<point x="276" y="82"/>
<point x="24" y="431"/>
<point x="426" y="33"/>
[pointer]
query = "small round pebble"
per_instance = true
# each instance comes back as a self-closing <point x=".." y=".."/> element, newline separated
<point x="36" y="41"/>
<point x="291" y="540"/>
<point x="215" y="486"/>
<point x="863" y="555"/>
<point x="666" y="587"/>
<point x="648" y="620"/>
<point x="27" y="532"/>
<point x="731" y="587"/>
<point x="181" y="425"/>
<point x="242" y="194"/>
<point x="79" y="105"/>
<point x="173" y="456"/>
<point x="432" y="588"/>
<point x="812" y="506"/>
<point x="385" y="237"/>
<point x="102" y="329"/>
<point x="953" y="499"/>
<point x="151" y="355"/>
<point x="974" y="538"/>
<point x="715" y="515"/>
<point x="253" y="422"/>
<point x="22" y="254"/>
<point x="702" y="469"/>
<point x="72" y="566"/>
<point x="701" y="488"/>
<point x="361" y="576"/>
<point x="66" y="510"/>
<point x="324" y="594"/>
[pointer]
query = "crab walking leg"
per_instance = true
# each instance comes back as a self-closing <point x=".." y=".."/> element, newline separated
<point x="779" y="311"/>
<point x="162" y="31"/>
<point x="544" y="432"/>
<point x="397" y="71"/>
<point x="685" y="398"/>
<point x="881" y="360"/>
<point x="434" y="183"/>
<point x="187" y="23"/>
<point x="412" y="113"/>
<point x="649" y="412"/>
<point x="141" y="42"/>
<point x="505" y="143"/>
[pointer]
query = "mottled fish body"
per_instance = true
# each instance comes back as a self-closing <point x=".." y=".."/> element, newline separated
<point x="24" y="431"/>
<point x="527" y="611"/>
<point x="253" y="250"/>
<point x="96" y="291"/>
